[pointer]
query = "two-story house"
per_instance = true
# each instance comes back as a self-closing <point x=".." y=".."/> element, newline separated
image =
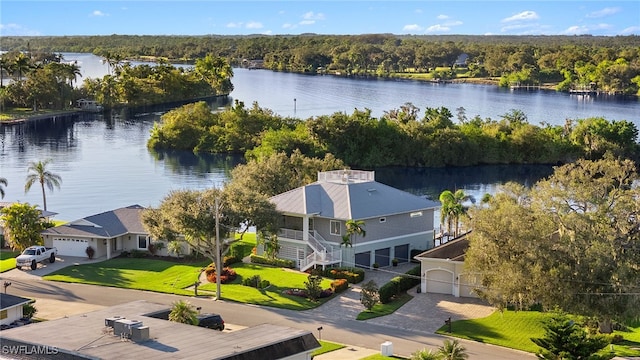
<point x="315" y="218"/>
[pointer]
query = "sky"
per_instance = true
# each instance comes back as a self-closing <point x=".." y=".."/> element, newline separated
<point x="293" y="17"/>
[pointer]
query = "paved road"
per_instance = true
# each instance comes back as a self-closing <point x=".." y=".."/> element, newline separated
<point x="337" y="325"/>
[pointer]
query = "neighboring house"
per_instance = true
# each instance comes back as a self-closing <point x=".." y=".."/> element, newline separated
<point x="108" y="233"/>
<point x="442" y="269"/>
<point x="11" y="308"/>
<point x="126" y="331"/>
<point x="462" y="60"/>
<point x="315" y="215"/>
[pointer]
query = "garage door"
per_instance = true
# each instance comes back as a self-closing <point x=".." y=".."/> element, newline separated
<point x="439" y="282"/>
<point x="71" y="247"/>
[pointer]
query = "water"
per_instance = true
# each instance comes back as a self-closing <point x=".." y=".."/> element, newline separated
<point x="104" y="162"/>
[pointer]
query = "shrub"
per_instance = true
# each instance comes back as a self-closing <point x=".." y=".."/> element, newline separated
<point x="253" y="281"/>
<point x="352" y="275"/>
<point x="295" y="292"/>
<point x="227" y="275"/>
<point x="313" y="288"/>
<point x="230" y="260"/>
<point x="257" y="259"/>
<point x="264" y="284"/>
<point x="339" y="285"/>
<point x="138" y="254"/>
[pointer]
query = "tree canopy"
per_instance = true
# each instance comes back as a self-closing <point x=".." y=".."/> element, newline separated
<point x="23" y="224"/>
<point x="571" y="241"/>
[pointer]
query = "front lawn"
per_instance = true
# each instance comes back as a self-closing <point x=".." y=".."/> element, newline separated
<point x="280" y="279"/>
<point x="515" y="329"/>
<point x="131" y="273"/>
<point x="8" y="260"/>
<point x="174" y="278"/>
<point x="326" y="347"/>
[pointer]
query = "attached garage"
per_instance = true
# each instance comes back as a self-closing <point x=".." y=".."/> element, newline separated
<point x="439" y="281"/>
<point x="71" y="247"/>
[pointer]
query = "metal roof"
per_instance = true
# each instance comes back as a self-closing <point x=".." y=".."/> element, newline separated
<point x="107" y="224"/>
<point x="347" y="199"/>
<point x="87" y="335"/>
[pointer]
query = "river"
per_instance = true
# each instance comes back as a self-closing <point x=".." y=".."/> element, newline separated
<point x="104" y="162"/>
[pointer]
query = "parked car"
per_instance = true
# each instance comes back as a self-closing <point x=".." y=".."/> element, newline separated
<point x="211" y="321"/>
<point x="32" y="255"/>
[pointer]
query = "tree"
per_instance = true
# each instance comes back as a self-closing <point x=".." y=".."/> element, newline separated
<point x="572" y="242"/>
<point x="22" y="225"/>
<point x="369" y="296"/>
<point x="452" y="208"/>
<point x="312" y="285"/>
<point x="452" y="350"/>
<point x="38" y="172"/>
<point x="183" y="312"/>
<point x="353" y="228"/>
<point x="565" y="339"/>
<point x="425" y="354"/>
<point x="3" y="182"/>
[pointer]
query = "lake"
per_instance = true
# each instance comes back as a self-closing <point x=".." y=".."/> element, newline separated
<point x="104" y="162"/>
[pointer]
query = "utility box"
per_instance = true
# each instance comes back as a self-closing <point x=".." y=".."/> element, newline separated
<point x="386" y="349"/>
<point x="123" y="327"/>
<point x="140" y="333"/>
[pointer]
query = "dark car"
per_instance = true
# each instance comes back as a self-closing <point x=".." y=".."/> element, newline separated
<point x="211" y="321"/>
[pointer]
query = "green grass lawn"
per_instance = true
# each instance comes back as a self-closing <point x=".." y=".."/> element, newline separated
<point x="385" y="309"/>
<point x="131" y="273"/>
<point x="280" y="279"/>
<point x="174" y="278"/>
<point x="8" y="260"/>
<point x="326" y="348"/>
<point x="515" y="329"/>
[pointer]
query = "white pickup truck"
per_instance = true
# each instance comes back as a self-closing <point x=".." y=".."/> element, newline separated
<point x="32" y="255"/>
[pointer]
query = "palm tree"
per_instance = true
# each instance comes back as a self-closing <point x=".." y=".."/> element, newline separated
<point x="354" y="227"/>
<point x="452" y="350"/>
<point x="3" y="182"/>
<point x="425" y="354"/>
<point x="452" y="208"/>
<point x="183" y="312"/>
<point x="22" y="64"/>
<point x="38" y="173"/>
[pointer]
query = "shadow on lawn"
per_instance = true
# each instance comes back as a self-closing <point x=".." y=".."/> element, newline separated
<point x="469" y="330"/>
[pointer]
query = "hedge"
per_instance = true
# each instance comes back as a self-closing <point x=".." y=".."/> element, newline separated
<point x="399" y="284"/>
<point x="352" y="275"/>
<point x="257" y="259"/>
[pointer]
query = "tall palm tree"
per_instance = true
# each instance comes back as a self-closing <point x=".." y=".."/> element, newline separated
<point x="452" y="350"/>
<point x="183" y="312"/>
<point x="452" y="208"/>
<point x="38" y="173"/>
<point x="3" y="182"/>
<point x="354" y="227"/>
<point x="22" y="64"/>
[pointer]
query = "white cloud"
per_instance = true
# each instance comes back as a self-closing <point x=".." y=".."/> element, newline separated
<point x="288" y="26"/>
<point x="254" y="25"/>
<point x="585" y="29"/>
<point x="412" y="28"/>
<point x="98" y="13"/>
<point x="12" y="29"/>
<point x="442" y="17"/>
<point x="453" y="23"/>
<point x="604" y="12"/>
<point x="307" y="22"/>
<point x="437" y="28"/>
<point x="523" y="16"/>
<point x="313" y="16"/>
<point x="631" y="30"/>
<point x="234" y="25"/>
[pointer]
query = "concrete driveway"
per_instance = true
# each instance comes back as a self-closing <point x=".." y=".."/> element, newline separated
<point x="45" y="268"/>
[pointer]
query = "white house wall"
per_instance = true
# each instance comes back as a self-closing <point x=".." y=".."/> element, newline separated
<point x="442" y="276"/>
<point x="13" y="314"/>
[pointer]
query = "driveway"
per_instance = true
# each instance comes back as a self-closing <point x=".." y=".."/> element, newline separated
<point x="45" y="268"/>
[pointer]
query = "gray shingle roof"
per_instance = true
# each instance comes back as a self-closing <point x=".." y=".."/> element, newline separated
<point x="107" y="224"/>
<point x="8" y="301"/>
<point x="350" y="200"/>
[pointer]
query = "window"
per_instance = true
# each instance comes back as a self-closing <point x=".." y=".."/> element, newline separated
<point x="142" y="241"/>
<point x="335" y="227"/>
<point x="416" y="214"/>
<point x="3" y="314"/>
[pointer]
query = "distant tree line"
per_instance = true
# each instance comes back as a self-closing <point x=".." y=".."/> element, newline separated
<point x="400" y="137"/>
<point x="46" y="81"/>
<point x="608" y="64"/>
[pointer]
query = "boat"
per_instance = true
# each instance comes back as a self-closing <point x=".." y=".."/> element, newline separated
<point x="89" y="105"/>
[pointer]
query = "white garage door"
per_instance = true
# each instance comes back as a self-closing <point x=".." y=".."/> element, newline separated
<point x="439" y="282"/>
<point x="71" y="247"/>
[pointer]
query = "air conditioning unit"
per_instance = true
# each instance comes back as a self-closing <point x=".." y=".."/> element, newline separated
<point x="140" y="333"/>
<point x="110" y="320"/>
<point x="123" y="327"/>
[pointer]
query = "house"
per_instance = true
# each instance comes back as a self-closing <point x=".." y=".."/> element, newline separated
<point x="442" y="269"/>
<point x="108" y="233"/>
<point x="11" y="308"/>
<point x="315" y="216"/>
<point x="126" y="331"/>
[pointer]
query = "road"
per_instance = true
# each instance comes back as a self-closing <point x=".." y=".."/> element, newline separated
<point x="334" y="327"/>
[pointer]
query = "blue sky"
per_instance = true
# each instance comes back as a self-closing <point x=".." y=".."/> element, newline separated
<point x="166" y="17"/>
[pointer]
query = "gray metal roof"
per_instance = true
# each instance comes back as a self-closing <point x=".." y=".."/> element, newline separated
<point x="86" y="334"/>
<point x="108" y="224"/>
<point x="348" y="199"/>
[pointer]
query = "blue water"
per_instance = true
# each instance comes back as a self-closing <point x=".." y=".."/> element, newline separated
<point x="104" y="162"/>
